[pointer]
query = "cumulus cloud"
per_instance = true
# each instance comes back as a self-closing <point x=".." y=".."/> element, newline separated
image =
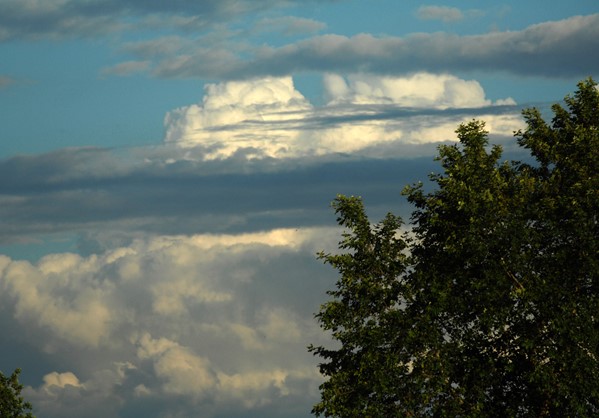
<point x="421" y="90"/>
<point x="83" y="319"/>
<point x="237" y="115"/>
<point x="270" y="118"/>
<point x="183" y="372"/>
<point x="63" y="395"/>
<point x="236" y="338"/>
<point x="60" y="380"/>
<point x="252" y="155"/>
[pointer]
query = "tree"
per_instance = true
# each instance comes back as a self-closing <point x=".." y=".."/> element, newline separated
<point x="12" y="404"/>
<point x="489" y="305"/>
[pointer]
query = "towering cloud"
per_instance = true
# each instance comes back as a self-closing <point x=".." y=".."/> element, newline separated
<point x="256" y="115"/>
<point x="270" y="118"/>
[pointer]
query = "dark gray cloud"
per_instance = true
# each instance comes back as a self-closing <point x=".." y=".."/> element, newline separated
<point x="170" y="325"/>
<point x="86" y="190"/>
<point x="553" y="49"/>
<point x="23" y="19"/>
<point x="174" y="190"/>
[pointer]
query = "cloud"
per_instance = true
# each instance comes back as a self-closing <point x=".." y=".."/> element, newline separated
<point x="132" y="196"/>
<point x="240" y="352"/>
<point x="421" y="90"/>
<point x="269" y="117"/>
<point x="183" y="372"/>
<point x="126" y="68"/>
<point x="553" y="49"/>
<point x="60" y="380"/>
<point x="32" y="19"/>
<point x="6" y="81"/>
<point x="252" y="155"/>
<point x="217" y="122"/>
<point x="444" y="13"/>
<point x="63" y="394"/>
<point x="82" y="320"/>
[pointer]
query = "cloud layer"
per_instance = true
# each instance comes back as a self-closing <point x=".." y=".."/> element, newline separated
<point x="552" y="49"/>
<point x="213" y="321"/>
<point x="252" y="155"/>
<point x="192" y="280"/>
<point x="192" y="277"/>
<point x="35" y="19"/>
<point x="179" y="278"/>
<point x="202" y="40"/>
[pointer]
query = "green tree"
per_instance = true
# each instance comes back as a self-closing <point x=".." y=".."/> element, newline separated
<point x="12" y="404"/>
<point x="488" y="306"/>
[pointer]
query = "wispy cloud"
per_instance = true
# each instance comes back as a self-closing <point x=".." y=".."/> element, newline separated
<point x="289" y="25"/>
<point x="6" y="81"/>
<point x="126" y="68"/>
<point x="444" y="13"/>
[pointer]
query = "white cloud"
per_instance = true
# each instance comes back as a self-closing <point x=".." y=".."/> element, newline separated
<point x="184" y="372"/>
<point x="60" y="380"/>
<point x="421" y="90"/>
<point x="64" y="395"/>
<point x="230" y="333"/>
<point x="240" y="114"/>
<point x="250" y="388"/>
<point x="270" y="118"/>
<point x="61" y="294"/>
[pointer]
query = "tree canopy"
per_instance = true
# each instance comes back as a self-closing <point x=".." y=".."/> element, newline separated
<point x="488" y="305"/>
<point x="12" y="404"/>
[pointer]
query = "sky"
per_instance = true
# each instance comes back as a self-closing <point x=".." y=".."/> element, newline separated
<point x="167" y="168"/>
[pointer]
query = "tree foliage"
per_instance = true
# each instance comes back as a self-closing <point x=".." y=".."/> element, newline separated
<point x="12" y="404"/>
<point x="489" y="305"/>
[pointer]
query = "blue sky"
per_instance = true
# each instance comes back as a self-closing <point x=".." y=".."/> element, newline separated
<point x="166" y="170"/>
